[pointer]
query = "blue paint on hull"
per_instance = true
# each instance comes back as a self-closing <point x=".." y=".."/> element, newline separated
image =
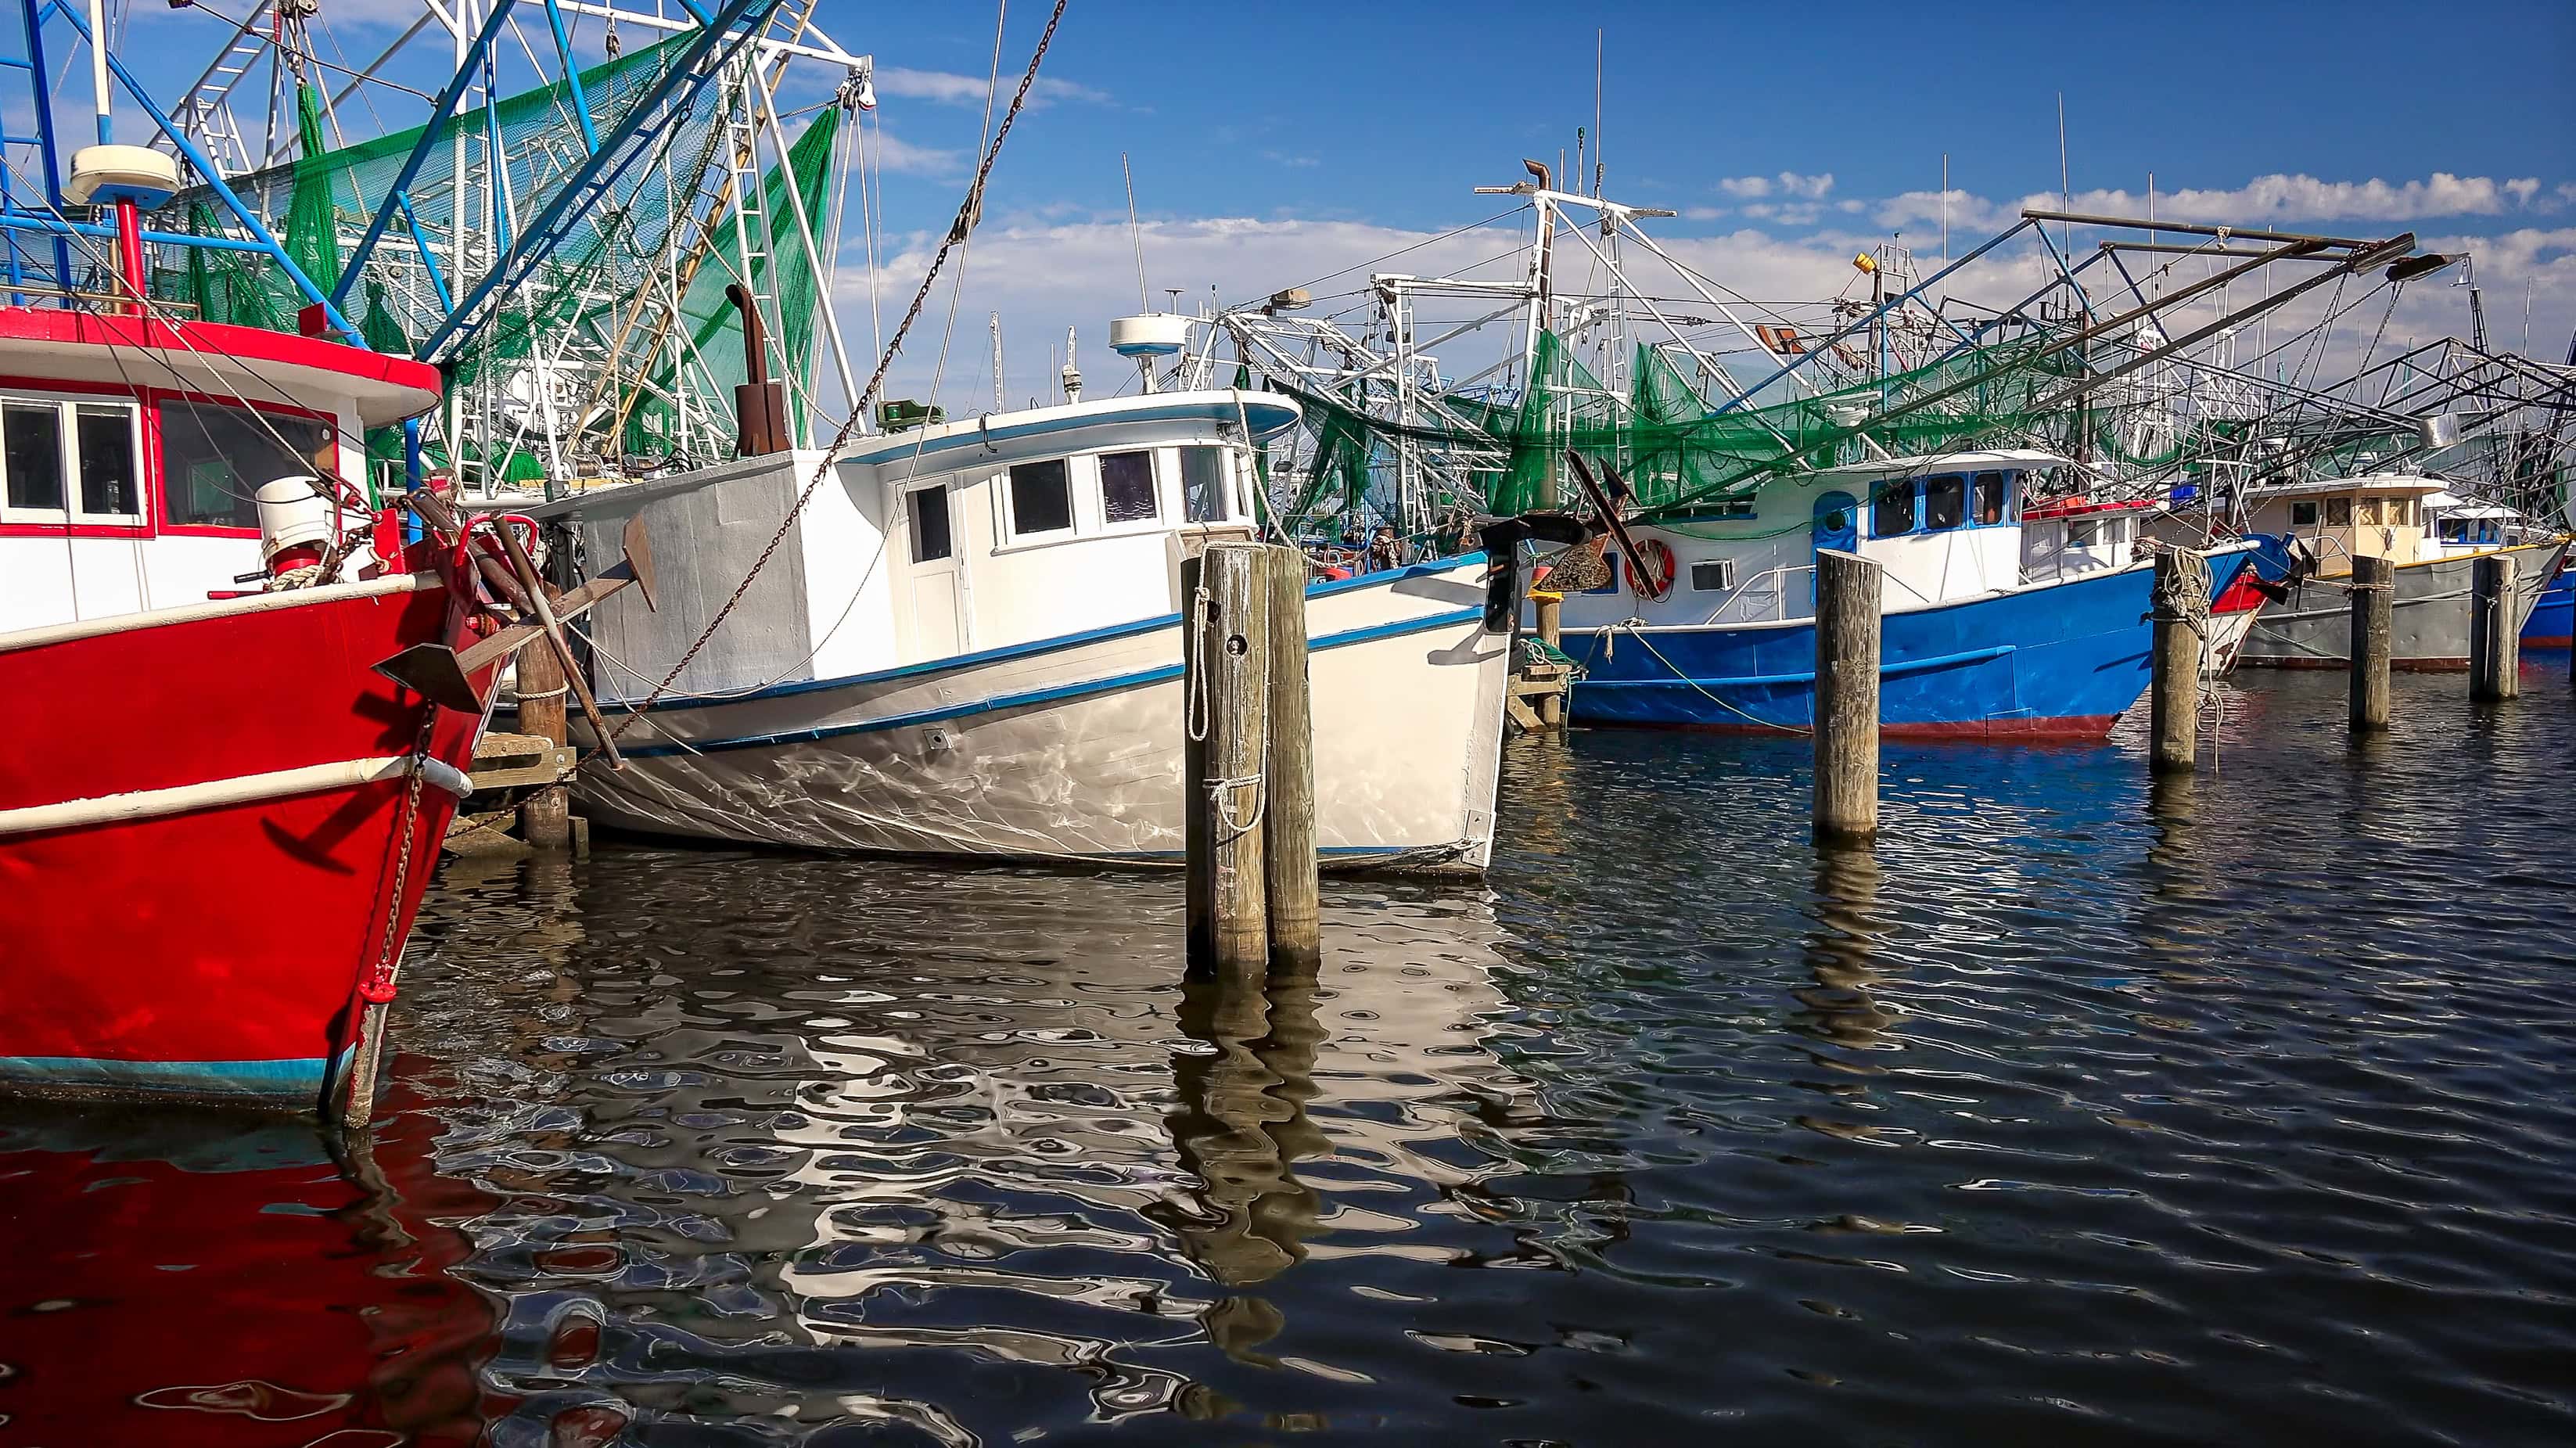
<point x="290" y="1082"/>
<point x="2063" y="658"/>
<point x="2553" y="619"/>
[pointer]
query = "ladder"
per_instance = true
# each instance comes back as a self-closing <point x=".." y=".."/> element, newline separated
<point x="205" y="111"/>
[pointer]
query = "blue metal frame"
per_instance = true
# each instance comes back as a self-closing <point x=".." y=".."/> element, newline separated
<point x="619" y="151"/>
<point x="398" y="196"/>
<point x="206" y="171"/>
<point x="572" y="77"/>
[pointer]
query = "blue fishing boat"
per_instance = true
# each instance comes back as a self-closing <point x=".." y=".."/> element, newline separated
<point x="2005" y="616"/>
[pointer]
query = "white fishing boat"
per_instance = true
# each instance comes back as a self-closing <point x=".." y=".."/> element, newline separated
<point x="969" y="643"/>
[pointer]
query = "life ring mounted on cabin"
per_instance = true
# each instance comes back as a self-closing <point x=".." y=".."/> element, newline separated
<point x="1656" y="578"/>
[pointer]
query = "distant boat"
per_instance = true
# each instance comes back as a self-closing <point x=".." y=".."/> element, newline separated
<point x="2004" y="616"/>
<point x="970" y="644"/>
<point x="2410" y="519"/>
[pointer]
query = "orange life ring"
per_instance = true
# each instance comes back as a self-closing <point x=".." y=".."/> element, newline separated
<point x="1659" y="565"/>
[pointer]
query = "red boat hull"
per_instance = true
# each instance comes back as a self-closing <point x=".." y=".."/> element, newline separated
<point x="195" y="942"/>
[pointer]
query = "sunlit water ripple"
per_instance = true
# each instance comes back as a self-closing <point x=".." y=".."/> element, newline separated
<point x="2233" y="1110"/>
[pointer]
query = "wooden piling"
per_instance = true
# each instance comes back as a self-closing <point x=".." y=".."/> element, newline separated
<point x="1847" y="643"/>
<point x="2173" y="704"/>
<point x="1288" y="779"/>
<point x="2374" y="588"/>
<point x="1225" y="704"/>
<point x="545" y="816"/>
<point x="1551" y="629"/>
<point x="2495" y="646"/>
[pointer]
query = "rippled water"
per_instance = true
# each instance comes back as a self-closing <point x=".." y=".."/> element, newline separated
<point x="2080" y="1110"/>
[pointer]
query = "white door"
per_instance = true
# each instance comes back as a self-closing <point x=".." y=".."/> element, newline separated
<point x="934" y="628"/>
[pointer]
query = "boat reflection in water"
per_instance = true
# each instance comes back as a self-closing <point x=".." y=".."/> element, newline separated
<point x="846" y="1141"/>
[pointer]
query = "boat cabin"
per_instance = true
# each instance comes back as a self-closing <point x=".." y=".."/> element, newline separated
<point x="131" y="449"/>
<point x="1945" y="527"/>
<point x="959" y="538"/>
<point x="2459" y="525"/>
<point x="2380" y="515"/>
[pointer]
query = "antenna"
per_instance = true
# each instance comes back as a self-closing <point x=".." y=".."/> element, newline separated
<point x="1597" y="42"/>
<point x="1136" y="232"/>
<point x="999" y="405"/>
<point x="2065" y="188"/>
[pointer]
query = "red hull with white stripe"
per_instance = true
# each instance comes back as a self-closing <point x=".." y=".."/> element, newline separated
<point x="201" y="814"/>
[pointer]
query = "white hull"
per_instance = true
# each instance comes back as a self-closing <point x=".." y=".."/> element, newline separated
<point x="1070" y="748"/>
<point x="2225" y="640"/>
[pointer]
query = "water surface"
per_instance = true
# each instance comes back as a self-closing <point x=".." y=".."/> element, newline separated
<point x="2080" y="1109"/>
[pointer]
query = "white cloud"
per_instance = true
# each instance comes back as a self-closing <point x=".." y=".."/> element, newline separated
<point x="1787" y="183"/>
<point x="903" y="157"/>
<point x="950" y="89"/>
<point x="2305" y="198"/>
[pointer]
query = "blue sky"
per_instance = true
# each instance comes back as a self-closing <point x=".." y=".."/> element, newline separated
<point x="1272" y="144"/>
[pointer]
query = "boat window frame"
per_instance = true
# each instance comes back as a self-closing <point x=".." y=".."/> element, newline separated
<point x="1009" y="497"/>
<point x="2340" y="504"/>
<point x="274" y="414"/>
<point x="1224" y="492"/>
<point x="1923" y="510"/>
<point x="2005" y="512"/>
<point x="2309" y="506"/>
<point x="1151" y="522"/>
<point x="1886" y="492"/>
<point x="912" y="515"/>
<point x="66" y="406"/>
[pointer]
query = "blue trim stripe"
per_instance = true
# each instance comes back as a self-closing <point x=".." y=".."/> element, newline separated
<point x="297" y="1077"/>
<point x="1051" y="695"/>
<point x="1901" y="667"/>
<point x="1029" y="650"/>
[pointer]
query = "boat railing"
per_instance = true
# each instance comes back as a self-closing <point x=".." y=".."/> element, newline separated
<point x="1780" y="593"/>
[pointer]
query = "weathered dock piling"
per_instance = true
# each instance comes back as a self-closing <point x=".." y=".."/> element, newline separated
<point x="2374" y="587"/>
<point x="1226" y="703"/>
<point x="1847" y="641"/>
<point x="2173" y="703"/>
<point x="1288" y="777"/>
<point x="545" y="816"/>
<point x="2495" y="644"/>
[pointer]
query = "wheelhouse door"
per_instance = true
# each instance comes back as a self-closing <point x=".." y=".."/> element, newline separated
<point x="934" y="613"/>
<point x="1837" y="526"/>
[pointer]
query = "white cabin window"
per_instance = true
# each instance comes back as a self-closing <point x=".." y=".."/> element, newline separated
<point x="70" y="462"/>
<point x="111" y="477"/>
<point x="1127" y="488"/>
<point x="31" y="449"/>
<point x="2338" y="512"/>
<point x="2083" y="532"/>
<point x="2303" y="515"/>
<point x="1713" y="575"/>
<point x="1945" y="502"/>
<point x="1041" y="499"/>
<point x="931" y="539"/>
<point x="1203" y="484"/>
<point x="214" y="460"/>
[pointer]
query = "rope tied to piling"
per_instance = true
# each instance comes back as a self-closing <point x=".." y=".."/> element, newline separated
<point x="1199" y="715"/>
<point x="2182" y="594"/>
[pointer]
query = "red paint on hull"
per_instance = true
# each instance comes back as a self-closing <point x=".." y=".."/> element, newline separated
<point x="232" y="934"/>
<point x="241" y="1290"/>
